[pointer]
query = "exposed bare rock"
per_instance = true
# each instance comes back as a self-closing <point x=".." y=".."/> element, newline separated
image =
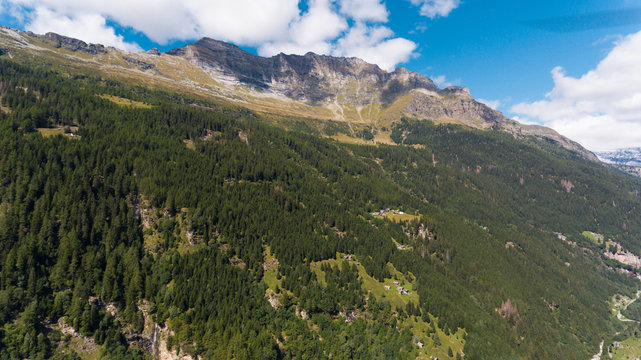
<point x="309" y="78"/>
<point x="452" y="104"/>
<point x="509" y="311"/>
<point x="273" y="299"/>
<point x="542" y="132"/>
<point x="350" y="315"/>
<point x="72" y="44"/>
<point x="567" y="185"/>
<point x="625" y="257"/>
<point x="87" y="344"/>
<point x="302" y="314"/>
<point x="141" y="64"/>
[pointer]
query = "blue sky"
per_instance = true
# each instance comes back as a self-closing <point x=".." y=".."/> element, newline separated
<point x="548" y="62"/>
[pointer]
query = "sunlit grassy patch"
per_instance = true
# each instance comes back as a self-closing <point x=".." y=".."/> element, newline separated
<point x="125" y="102"/>
<point x="49" y="132"/>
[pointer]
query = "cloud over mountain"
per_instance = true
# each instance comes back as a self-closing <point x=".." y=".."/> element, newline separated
<point x="602" y="108"/>
<point x="333" y="27"/>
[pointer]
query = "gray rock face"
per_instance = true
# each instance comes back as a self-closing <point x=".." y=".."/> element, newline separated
<point x="310" y="78"/>
<point x="141" y="64"/>
<point x="72" y="44"/>
<point x="453" y="103"/>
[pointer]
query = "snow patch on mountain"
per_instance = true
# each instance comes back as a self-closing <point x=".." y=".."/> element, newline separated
<point x="629" y="156"/>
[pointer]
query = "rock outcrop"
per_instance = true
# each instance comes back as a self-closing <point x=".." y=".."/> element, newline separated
<point x="72" y="44"/>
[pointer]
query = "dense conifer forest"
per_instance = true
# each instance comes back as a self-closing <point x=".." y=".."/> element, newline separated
<point x="174" y="204"/>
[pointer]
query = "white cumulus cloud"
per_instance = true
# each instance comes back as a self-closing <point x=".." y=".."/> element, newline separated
<point x="313" y="31"/>
<point x="436" y="8"/>
<point x="494" y="104"/>
<point x="271" y="26"/>
<point x="600" y="109"/>
<point x="81" y="26"/>
<point x="442" y="81"/>
<point x="375" y="44"/>
<point x="365" y="10"/>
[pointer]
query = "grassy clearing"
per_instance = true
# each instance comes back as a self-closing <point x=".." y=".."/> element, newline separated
<point x="384" y="137"/>
<point x="151" y="240"/>
<point x="270" y="267"/>
<point x="189" y="144"/>
<point x="346" y="139"/>
<point x="435" y="342"/>
<point x="383" y="291"/>
<point x="78" y="345"/>
<point x="125" y="102"/>
<point x="154" y="221"/>
<point x="594" y="237"/>
<point x="627" y="349"/>
<point x="237" y="262"/>
<point x="430" y="335"/>
<point x="49" y="132"/>
<point x="397" y="218"/>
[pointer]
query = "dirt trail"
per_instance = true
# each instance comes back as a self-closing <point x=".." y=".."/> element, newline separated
<point x="621" y="316"/>
<point x="598" y="355"/>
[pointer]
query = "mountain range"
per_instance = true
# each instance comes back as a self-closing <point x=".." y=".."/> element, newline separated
<point x="322" y="87"/>
<point x="628" y="156"/>
<point x="628" y="160"/>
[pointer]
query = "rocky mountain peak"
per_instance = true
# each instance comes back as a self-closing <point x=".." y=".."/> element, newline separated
<point x="311" y="78"/>
<point x="458" y="91"/>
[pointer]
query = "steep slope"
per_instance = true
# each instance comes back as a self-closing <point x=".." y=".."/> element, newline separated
<point x="349" y="85"/>
<point x="310" y="86"/>
<point x="127" y="212"/>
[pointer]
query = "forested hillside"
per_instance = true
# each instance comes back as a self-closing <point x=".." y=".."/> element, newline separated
<point x="246" y="236"/>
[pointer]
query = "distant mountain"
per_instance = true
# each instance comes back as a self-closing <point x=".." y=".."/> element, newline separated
<point x="627" y="160"/>
<point x="629" y="156"/>
<point x="315" y="86"/>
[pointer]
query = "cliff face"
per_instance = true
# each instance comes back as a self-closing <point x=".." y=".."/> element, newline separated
<point x="309" y="78"/>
